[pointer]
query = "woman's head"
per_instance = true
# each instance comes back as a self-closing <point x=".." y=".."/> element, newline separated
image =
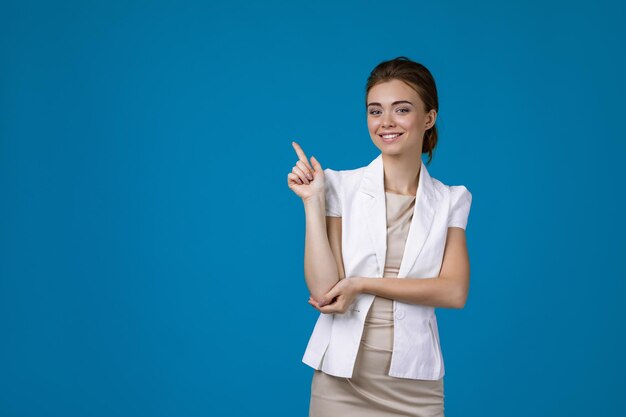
<point x="401" y="97"/>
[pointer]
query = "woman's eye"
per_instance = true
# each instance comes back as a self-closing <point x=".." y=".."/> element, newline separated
<point x="400" y="110"/>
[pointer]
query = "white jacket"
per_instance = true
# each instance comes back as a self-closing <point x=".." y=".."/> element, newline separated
<point x="358" y="197"/>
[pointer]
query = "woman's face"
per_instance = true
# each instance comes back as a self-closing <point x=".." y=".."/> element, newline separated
<point x="393" y="107"/>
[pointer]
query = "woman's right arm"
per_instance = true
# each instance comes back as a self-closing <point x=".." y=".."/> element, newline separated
<point x="323" y="265"/>
<point x="322" y="248"/>
<point x="333" y="229"/>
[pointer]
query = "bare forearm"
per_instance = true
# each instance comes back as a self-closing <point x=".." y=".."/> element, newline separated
<point x="436" y="292"/>
<point x="320" y="268"/>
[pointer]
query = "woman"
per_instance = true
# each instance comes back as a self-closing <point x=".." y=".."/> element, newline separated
<point x="375" y="347"/>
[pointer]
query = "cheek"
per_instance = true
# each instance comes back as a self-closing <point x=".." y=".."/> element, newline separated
<point x="413" y="124"/>
<point x="372" y="125"/>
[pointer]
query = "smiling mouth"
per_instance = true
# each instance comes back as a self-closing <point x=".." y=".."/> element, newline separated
<point x="391" y="137"/>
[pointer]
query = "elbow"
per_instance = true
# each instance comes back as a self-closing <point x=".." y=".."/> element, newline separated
<point x="317" y="296"/>
<point x="459" y="301"/>
<point x="319" y="285"/>
<point x="318" y="293"/>
<point x="459" y="304"/>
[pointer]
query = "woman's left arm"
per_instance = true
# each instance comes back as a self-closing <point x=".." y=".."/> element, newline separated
<point x="448" y="290"/>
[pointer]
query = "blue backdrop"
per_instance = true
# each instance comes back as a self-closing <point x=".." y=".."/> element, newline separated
<point x="152" y="253"/>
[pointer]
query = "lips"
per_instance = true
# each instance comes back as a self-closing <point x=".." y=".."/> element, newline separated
<point x="391" y="137"/>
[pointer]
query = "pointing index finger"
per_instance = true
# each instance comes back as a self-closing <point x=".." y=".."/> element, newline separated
<point x="301" y="155"/>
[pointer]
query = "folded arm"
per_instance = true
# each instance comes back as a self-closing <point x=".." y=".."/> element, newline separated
<point x="448" y="290"/>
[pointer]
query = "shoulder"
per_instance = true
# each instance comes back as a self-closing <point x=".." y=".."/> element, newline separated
<point x="457" y="199"/>
<point x="454" y="192"/>
<point x="340" y="184"/>
<point x="344" y="173"/>
<point x="344" y="178"/>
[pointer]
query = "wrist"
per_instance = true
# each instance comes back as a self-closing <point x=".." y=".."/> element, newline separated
<point x="359" y="284"/>
<point x="315" y="202"/>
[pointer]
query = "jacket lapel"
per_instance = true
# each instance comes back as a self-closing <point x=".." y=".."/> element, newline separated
<point x="373" y="188"/>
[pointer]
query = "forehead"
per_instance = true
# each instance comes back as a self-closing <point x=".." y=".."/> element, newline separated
<point x="390" y="91"/>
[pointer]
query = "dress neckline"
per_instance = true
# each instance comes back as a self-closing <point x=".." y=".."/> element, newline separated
<point x="400" y="195"/>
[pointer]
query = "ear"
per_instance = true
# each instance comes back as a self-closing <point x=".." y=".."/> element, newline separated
<point x="431" y="118"/>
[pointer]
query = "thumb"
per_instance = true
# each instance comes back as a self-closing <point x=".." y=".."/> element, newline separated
<point x="328" y="297"/>
<point x="316" y="165"/>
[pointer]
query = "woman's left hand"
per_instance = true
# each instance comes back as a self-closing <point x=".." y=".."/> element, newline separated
<point x="340" y="297"/>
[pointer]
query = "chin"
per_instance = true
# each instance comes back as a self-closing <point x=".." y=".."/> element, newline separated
<point x="388" y="151"/>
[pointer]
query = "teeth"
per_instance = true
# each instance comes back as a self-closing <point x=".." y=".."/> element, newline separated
<point x="391" y="136"/>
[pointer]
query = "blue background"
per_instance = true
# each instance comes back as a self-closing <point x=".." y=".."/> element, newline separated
<point x="152" y="253"/>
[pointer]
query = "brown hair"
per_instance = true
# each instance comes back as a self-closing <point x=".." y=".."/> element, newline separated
<point x="417" y="77"/>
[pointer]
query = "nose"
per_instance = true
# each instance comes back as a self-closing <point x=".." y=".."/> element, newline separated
<point x="387" y="120"/>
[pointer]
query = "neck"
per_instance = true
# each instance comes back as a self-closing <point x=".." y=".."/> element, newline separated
<point x="402" y="173"/>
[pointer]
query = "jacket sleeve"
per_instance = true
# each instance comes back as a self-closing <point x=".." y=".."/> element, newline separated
<point x="333" y="192"/>
<point x="460" y="203"/>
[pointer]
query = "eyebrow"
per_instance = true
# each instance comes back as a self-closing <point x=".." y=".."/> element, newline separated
<point x="393" y="104"/>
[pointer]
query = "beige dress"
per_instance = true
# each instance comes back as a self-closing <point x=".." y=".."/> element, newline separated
<point x="371" y="392"/>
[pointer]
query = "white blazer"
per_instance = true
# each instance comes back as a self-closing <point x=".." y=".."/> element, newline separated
<point x="358" y="197"/>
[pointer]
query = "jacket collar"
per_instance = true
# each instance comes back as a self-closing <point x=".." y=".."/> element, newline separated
<point x="373" y="189"/>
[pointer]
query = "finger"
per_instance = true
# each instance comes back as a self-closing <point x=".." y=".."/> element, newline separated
<point x="305" y="169"/>
<point x="301" y="174"/>
<point x="301" y="154"/>
<point x="331" y="308"/>
<point x="294" y="178"/>
<point x="316" y="165"/>
<point x="314" y="303"/>
<point x="315" y="307"/>
<point x="311" y="299"/>
<point x="328" y="297"/>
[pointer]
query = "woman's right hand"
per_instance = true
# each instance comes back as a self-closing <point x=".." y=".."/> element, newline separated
<point x="306" y="179"/>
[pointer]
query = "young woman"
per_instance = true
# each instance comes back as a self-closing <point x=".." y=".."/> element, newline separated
<point x="385" y="245"/>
